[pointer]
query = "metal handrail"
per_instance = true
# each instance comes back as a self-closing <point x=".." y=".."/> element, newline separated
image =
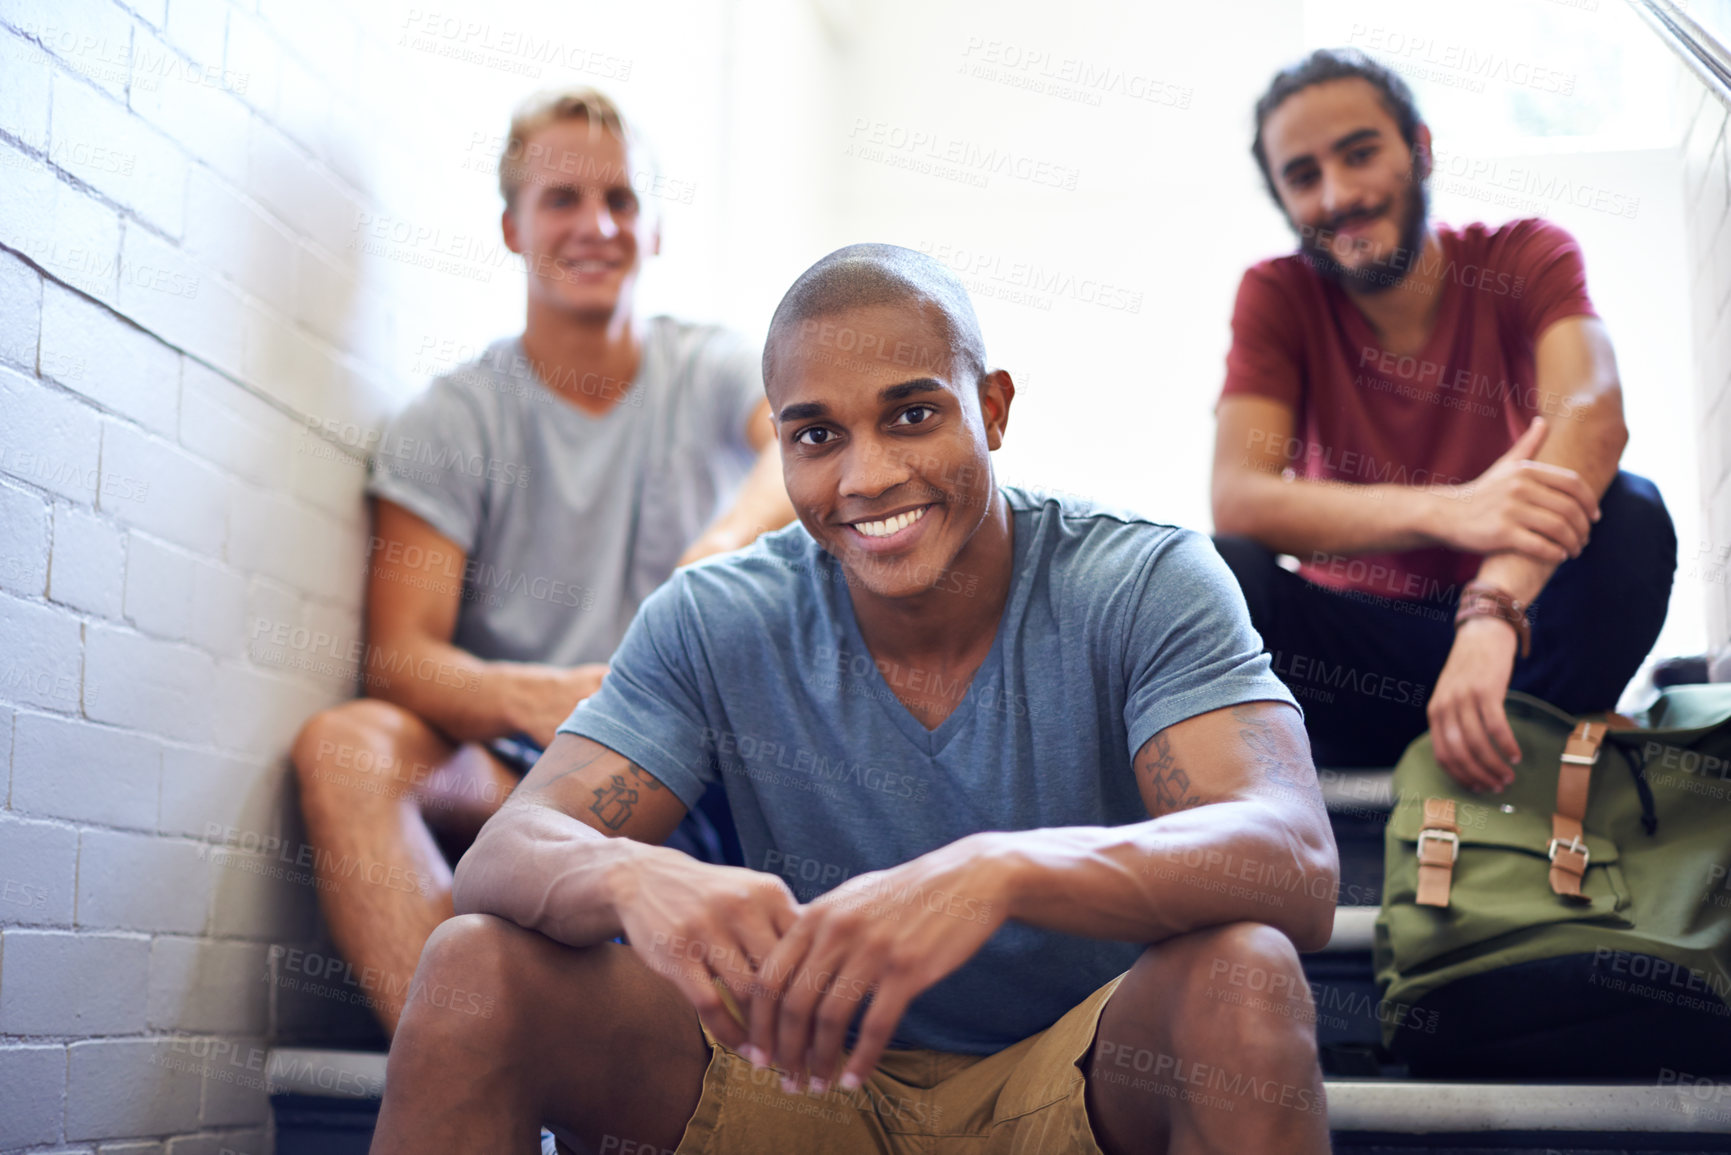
<point x="1701" y="51"/>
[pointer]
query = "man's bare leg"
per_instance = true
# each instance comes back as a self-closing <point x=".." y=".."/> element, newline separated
<point x="508" y="1030"/>
<point x="375" y="781"/>
<point x="1208" y="1047"/>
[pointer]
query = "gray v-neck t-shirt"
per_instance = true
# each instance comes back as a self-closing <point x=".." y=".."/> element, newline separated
<point x="750" y="669"/>
<point x="569" y="521"/>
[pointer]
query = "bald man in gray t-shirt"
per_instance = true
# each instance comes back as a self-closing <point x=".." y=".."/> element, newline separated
<point x="525" y="504"/>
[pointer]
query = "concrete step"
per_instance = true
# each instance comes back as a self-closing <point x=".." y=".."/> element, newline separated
<point x="1353" y="928"/>
<point x="338" y="1091"/>
<point x="1366" y="793"/>
<point x="1359" y="802"/>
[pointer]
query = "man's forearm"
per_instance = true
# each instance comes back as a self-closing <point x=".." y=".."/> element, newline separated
<point x="468" y="699"/>
<point x="546" y="872"/>
<point x="1588" y="440"/>
<point x="1219" y="863"/>
<point x="1303" y="517"/>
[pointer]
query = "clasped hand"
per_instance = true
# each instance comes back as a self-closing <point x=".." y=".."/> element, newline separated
<point x="798" y="974"/>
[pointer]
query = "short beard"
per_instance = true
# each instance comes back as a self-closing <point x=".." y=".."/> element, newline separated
<point x="1381" y="275"/>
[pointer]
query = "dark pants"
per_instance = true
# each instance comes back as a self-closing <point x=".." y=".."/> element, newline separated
<point x="1363" y="667"/>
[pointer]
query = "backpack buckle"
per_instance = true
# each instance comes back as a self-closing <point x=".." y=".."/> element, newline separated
<point x="1572" y="846"/>
<point x="1448" y="836"/>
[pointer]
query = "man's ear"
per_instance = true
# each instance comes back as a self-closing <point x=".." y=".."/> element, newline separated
<point x="997" y="391"/>
<point x="508" y="226"/>
<point x="1421" y="153"/>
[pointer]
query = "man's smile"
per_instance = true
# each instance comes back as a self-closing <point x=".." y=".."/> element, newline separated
<point x="890" y="532"/>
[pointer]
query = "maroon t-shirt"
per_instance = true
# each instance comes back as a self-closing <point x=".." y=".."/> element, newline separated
<point x="1364" y="416"/>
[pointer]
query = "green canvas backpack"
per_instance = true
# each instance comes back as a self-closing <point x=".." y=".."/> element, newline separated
<point x="1513" y="973"/>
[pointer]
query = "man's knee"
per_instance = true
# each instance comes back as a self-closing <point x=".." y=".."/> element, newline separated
<point x="472" y="977"/>
<point x="349" y="747"/>
<point x="1240" y="992"/>
<point x="1635" y="533"/>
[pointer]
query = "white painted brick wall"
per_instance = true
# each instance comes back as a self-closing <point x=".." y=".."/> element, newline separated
<point x="48" y="440"/>
<point x="203" y="789"/>
<point x="232" y="428"/>
<point x="206" y="119"/>
<point x="100" y="142"/>
<point x="201" y="985"/>
<point x="20" y="312"/>
<point x="70" y="235"/>
<point x="24" y="98"/>
<point x="59" y="983"/>
<point x="93" y="40"/>
<point x="196" y="28"/>
<point x="7" y="717"/>
<point x="159" y="588"/>
<point x="240" y="240"/>
<point x="155" y="485"/>
<point x="234" y="1087"/>
<point x="172" y="701"/>
<point x="68" y="768"/>
<point x="24" y="537"/>
<point x="88" y="569"/>
<point x="182" y="298"/>
<point x="141" y="882"/>
<point x="117" y="1088"/>
<point x="43" y="663"/>
<point x="119" y="367"/>
<point x="38" y="866"/>
<point x="35" y="1082"/>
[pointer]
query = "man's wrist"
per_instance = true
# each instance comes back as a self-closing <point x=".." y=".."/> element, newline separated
<point x="1430" y="509"/>
<point x="622" y="875"/>
<point x="1489" y="629"/>
<point x="1009" y="865"/>
<point x="1520" y="575"/>
<point x="516" y="697"/>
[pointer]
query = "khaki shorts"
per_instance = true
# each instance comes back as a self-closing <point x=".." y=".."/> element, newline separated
<point x="1024" y="1100"/>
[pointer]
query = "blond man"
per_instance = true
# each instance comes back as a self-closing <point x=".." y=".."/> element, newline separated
<point x="525" y="505"/>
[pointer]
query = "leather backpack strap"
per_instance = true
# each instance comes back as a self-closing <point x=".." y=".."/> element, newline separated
<point x="1568" y="848"/>
<point x="1439" y="844"/>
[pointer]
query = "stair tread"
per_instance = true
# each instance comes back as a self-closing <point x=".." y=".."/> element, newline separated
<point x="1385" y="1105"/>
<point x="1360" y="792"/>
<point x="1353" y="928"/>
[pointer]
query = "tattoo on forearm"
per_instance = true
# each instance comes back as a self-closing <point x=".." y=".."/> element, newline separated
<point x="616" y="800"/>
<point x="1170" y="781"/>
<point x="576" y="768"/>
<point x="1266" y="758"/>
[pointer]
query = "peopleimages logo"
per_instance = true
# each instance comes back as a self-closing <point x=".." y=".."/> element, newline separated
<point x="754" y="755"/>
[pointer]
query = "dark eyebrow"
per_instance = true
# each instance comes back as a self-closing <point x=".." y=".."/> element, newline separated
<point x="919" y="385"/>
<point x="1357" y="136"/>
<point x="803" y="410"/>
<point x="911" y="389"/>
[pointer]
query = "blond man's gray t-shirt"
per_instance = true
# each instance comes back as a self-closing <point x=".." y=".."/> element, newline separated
<point x="568" y="520"/>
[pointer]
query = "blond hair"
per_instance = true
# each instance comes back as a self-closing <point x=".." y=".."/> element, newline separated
<point x="555" y="106"/>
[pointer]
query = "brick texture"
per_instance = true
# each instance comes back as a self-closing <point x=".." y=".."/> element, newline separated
<point x="89" y="567"/>
<point x="35" y="1082"/>
<point x="59" y="983"/>
<point x="69" y="768"/>
<point x="181" y="307"/>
